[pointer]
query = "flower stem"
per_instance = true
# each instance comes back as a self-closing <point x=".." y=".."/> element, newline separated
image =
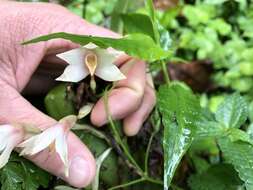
<point x="128" y="184"/>
<point x="148" y="151"/>
<point x="118" y="138"/>
<point x="165" y="72"/>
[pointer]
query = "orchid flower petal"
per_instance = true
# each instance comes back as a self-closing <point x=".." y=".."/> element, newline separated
<point x="39" y="142"/>
<point x="106" y="69"/>
<point x="90" y="46"/>
<point x="73" y="57"/>
<point x="74" y="73"/>
<point x="4" y="157"/>
<point x="61" y="147"/>
<point x="109" y="72"/>
<point x="10" y="142"/>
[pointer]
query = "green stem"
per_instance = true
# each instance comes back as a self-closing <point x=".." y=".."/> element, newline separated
<point x="155" y="181"/>
<point x="118" y="138"/>
<point x="165" y="72"/>
<point x="92" y="131"/>
<point x="148" y="151"/>
<point x="128" y="184"/>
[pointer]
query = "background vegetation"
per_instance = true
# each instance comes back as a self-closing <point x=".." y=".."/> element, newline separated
<point x="207" y="137"/>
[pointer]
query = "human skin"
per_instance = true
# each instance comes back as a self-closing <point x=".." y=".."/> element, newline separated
<point x="132" y="99"/>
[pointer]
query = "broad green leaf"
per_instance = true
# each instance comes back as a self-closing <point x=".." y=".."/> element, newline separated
<point x="138" y="23"/>
<point x="240" y="155"/>
<point x="180" y="111"/>
<point x="217" y="177"/>
<point x="233" y="112"/>
<point x="136" y="45"/>
<point x="59" y="102"/>
<point x="209" y="129"/>
<point x="20" y="174"/>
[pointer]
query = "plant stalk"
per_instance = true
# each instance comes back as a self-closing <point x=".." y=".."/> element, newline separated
<point x="128" y="184"/>
<point x="165" y="72"/>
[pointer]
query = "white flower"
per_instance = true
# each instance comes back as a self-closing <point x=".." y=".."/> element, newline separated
<point x="10" y="137"/>
<point x="92" y="60"/>
<point x="54" y="138"/>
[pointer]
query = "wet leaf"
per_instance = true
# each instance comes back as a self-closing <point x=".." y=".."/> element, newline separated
<point x="180" y="111"/>
<point x="232" y="112"/>
<point x="240" y="155"/>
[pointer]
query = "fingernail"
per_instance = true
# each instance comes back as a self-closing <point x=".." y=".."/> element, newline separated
<point x="80" y="172"/>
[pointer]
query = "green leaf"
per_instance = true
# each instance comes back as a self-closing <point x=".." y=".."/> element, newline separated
<point x="232" y="112"/>
<point x="20" y="174"/>
<point x="180" y="111"/>
<point x="240" y="155"/>
<point x="138" y="23"/>
<point x="59" y="102"/>
<point x="217" y="177"/>
<point x="136" y="45"/>
<point x="208" y="127"/>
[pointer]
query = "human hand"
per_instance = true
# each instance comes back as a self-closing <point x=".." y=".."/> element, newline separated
<point x="132" y="98"/>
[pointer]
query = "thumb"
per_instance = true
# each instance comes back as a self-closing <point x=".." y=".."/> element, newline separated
<point x="14" y="108"/>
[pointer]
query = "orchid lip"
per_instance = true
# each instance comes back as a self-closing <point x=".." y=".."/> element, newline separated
<point x="91" y="61"/>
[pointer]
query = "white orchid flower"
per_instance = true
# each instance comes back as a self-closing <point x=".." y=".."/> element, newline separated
<point x="10" y="137"/>
<point x="54" y="138"/>
<point x="90" y="59"/>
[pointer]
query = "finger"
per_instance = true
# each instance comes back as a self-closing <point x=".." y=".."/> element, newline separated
<point x="126" y="97"/>
<point x="15" y="109"/>
<point x="133" y="122"/>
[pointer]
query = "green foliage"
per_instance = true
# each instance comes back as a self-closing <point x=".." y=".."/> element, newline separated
<point x="180" y="111"/>
<point x="59" y="102"/>
<point x="216" y="31"/>
<point x="132" y="44"/>
<point x="20" y="174"/>
<point x="138" y="23"/>
<point x="240" y="155"/>
<point x="218" y="177"/>
<point x="233" y="112"/>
